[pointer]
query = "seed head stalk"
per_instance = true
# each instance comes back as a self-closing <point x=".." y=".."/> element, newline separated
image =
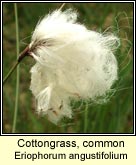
<point x="18" y="70"/>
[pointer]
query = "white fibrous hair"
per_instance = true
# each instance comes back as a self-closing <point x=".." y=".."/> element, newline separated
<point x="72" y="62"/>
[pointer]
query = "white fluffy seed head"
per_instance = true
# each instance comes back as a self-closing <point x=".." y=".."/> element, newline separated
<point x="71" y="62"/>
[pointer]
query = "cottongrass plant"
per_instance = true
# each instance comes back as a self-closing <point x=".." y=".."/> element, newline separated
<point x="72" y="63"/>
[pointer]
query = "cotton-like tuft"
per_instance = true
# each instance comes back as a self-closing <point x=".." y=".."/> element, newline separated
<point x="72" y="62"/>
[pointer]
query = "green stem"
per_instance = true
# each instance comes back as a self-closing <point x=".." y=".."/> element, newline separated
<point x="17" y="80"/>
<point x="10" y="72"/>
<point x="86" y="118"/>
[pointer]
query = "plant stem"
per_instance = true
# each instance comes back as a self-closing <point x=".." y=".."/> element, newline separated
<point x="10" y="72"/>
<point x="86" y="118"/>
<point x="23" y="54"/>
<point x="63" y="4"/>
<point x="17" y="80"/>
